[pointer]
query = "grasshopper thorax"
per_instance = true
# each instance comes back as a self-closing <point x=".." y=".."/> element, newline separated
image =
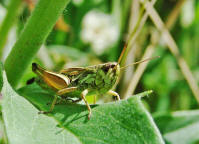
<point x="102" y="77"/>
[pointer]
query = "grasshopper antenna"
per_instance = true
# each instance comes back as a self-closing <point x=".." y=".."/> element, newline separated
<point x="140" y="62"/>
<point x="122" y="53"/>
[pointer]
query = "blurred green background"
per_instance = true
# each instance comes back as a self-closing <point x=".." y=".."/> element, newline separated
<point x="95" y="31"/>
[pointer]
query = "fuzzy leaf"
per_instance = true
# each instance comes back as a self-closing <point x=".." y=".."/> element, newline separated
<point x="125" y="121"/>
<point x="24" y="126"/>
<point x="179" y="127"/>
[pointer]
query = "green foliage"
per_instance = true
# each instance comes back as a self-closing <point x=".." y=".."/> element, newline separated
<point x="32" y="37"/>
<point x="10" y="18"/>
<point x="24" y="125"/>
<point x="179" y="127"/>
<point x="126" y="121"/>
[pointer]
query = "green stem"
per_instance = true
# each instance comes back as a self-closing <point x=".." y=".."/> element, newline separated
<point x="117" y="12"/>
<point x="11" y="16"/>
<point x="33" y="36"/>
<point x="131" y="37"/>
<point x="125" y="13"/>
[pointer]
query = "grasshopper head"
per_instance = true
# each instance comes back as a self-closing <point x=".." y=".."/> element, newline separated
<point x="107" y="76"/>
<point x="111" y="65"/>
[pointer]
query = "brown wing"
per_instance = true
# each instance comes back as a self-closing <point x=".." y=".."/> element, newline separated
<point x="72" y="71"/>
<point x="52" y="79"/>
<point x="75" y="71"/>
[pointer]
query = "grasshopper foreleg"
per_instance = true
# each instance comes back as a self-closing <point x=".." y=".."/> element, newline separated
<point x="83" y="94"/>
<point x="114" y="94"/>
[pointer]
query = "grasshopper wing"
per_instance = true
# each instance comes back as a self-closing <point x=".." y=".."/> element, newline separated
<point x="73" y="71"/>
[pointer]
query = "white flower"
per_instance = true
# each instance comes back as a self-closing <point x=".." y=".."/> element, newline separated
<point x="188" y="13"/>
<point x="99" y="30"/>
<point x="77" y="2"/>
<point x="2" y="13"/>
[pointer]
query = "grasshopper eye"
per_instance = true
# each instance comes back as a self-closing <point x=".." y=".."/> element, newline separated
<point x="113" y="65"/>
<point x="107" y="66"/>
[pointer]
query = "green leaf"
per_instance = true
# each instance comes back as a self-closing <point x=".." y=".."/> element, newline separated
<point x="179" y="127"/>
<point x="126" y="121"/>
<point x="24" y="126"/>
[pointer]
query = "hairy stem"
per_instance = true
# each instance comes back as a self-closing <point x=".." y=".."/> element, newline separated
<point x="12" y="13"/>
<point x="33" y="36"/>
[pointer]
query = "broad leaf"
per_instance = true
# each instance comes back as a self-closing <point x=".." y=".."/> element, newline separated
<point x="125" y="121"/>
<point x="24" y="125"/>
<point x="179" y="127"/>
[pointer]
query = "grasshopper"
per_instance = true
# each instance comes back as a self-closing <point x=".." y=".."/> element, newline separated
<point x="97" y="79"/>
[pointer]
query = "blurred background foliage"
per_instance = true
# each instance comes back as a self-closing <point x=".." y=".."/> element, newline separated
<point x="95" y="31"/>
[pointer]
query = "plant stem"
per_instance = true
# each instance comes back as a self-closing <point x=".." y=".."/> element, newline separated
<point x="11" y="16"/>
<point x="132" y="36"/>
<point x="171" y="44"/>
<point x="33" y="36"/>
<point x="117" y="12"/>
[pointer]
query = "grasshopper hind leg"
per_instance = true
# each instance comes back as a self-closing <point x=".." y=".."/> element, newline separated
<point x="60" y="92"/>
<point x="64" y="100"/>
<point x="51" y="107"/>
<point x="64" y="91"/>
<point x="72" y="100"/>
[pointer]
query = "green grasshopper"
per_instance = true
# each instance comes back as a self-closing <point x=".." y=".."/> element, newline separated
<point x="97" y="79"/>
